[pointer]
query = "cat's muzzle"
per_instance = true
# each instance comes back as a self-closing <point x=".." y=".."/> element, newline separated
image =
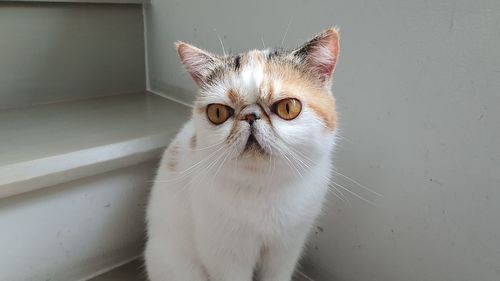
<point x="253" y="146"/>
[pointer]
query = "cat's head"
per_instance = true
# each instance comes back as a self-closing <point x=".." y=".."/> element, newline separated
<point x="266" y="104"/>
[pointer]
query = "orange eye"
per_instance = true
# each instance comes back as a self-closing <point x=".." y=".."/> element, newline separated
<point x="218" y="113"/>
<point x="287" y="109"/>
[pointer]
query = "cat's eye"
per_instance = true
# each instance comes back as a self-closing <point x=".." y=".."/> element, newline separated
<point x="218" y="113"/>
<point x="287" y="109"/>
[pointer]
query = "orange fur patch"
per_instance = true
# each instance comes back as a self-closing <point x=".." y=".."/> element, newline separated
<point x="174" y="150"/>
<point x="192" y="142"/>
<point x="318" y="99"/>
<point x="328" y="115"/>
<point x="244" y="59"/>
<point x="172" y="161"/>
<point x="172" y="165"/>
<point x="232" y="133"/>
<point x="266" y="90"/>
<point x="233" y="96"/>
<point x="200" y="109"/>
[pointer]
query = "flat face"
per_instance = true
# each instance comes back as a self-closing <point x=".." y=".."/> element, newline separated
<point x="289" y="106"/>
<point x="266" y="105"/>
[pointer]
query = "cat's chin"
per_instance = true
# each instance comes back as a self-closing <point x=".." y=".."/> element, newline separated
<point x="254" y="154"/>
<point x="251" y="163"/>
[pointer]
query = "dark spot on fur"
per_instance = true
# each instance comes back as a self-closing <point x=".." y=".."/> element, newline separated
<point x="273" y="54"/>
<point x="216" y="75"/>
<point x="237" y="61"/>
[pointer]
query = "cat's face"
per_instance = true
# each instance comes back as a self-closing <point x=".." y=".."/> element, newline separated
<point x="266" y="105"/>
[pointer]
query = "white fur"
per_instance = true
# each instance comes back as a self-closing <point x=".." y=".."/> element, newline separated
<point x="222" y="215"/>
<point x="252" y="75"/>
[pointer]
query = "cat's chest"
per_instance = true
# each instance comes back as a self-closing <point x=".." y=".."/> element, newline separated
<point x="264" y="207"/>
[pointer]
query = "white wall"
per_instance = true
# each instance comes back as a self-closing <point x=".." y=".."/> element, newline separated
<point x="418" y="86"/>
<point x="66" y="51"/>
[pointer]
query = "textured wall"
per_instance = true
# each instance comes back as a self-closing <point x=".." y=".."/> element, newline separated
<point x="52" y="52"/>
<point x="418" y="89"/>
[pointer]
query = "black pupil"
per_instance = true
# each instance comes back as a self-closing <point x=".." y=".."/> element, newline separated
<point x="287" y="106"/>
<point x="217" y="112"/>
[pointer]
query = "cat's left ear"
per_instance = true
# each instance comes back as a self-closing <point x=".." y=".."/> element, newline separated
<point x="320" y="55"/>
<point x="198" y="63"/>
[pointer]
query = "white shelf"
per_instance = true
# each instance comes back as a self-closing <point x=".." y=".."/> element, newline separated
<point x="50" y="144"/>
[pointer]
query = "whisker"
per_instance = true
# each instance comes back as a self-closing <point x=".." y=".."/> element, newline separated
<point x="334" y="190"/>
<point x="224" y="160"/>
<point x="356" y="182"/>
<point x="288" y="161"/>
<point x="297" y="155"/>
<point x="192" y="169"/>
<point x="304" y="275"/>
<point x="286" y="31"/>
<point x="202" y="174"/>
<point x="199" y="171"/>
<point x="202" y="160"/>
<point x="346" y="177"/>
<point x="263" y="44"/>
<point x="355" y="194"/>
<point x="222" y="44"/>
<point x="203" y="148"/>
<point x="340" y="136"/>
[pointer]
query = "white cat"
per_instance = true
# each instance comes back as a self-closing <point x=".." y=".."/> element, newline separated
<point x="240" y="186"/>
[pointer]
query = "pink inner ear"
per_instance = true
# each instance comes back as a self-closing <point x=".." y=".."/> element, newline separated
<point x="195" y="60"/>
<point x="326" y="63"/>
<point x="324" y="54"/>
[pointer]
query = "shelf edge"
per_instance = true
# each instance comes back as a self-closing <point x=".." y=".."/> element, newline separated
<point x="31" y="175"/>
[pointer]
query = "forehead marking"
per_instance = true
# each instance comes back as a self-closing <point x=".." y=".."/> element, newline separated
<point x="233" y="96"/>
<point x="253" y="70"/>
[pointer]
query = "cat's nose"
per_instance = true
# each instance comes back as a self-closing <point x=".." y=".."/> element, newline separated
<point x="250" y="117"/>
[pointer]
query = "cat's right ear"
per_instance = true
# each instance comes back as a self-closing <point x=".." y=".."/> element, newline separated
<point x="320" y="55"/>
<point x="198" y="63"/>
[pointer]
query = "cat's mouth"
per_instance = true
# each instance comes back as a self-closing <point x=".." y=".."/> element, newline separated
<point x="253" y="146"/>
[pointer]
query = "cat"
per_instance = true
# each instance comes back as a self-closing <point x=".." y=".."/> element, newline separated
<point x="238" y="189"/>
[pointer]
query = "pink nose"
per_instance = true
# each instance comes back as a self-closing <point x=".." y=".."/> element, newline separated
<point x="250" y="118"/>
